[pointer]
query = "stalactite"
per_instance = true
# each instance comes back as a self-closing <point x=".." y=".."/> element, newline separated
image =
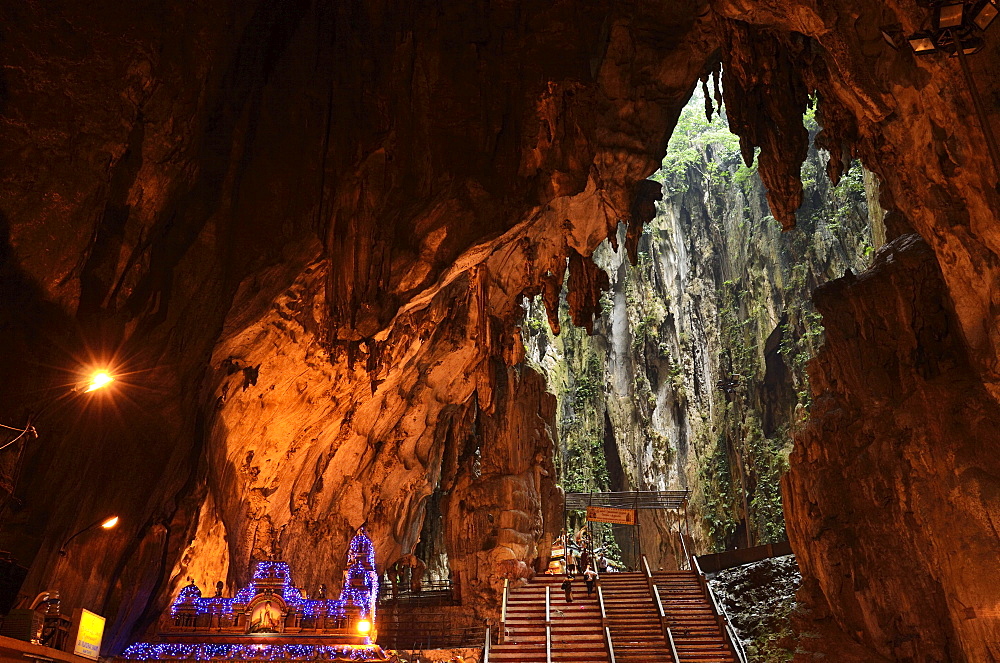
<point x="586" y="283"/>
<point x="765" y="99"/>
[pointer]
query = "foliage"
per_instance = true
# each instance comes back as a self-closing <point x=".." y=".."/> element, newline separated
<point x="766" y="460"/>
<point x="719" y="494"/>
<point x="698" y="144"/>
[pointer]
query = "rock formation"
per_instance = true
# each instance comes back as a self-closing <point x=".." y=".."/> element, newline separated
<point x="301" y="233"/>
<point x="695" y="375"/>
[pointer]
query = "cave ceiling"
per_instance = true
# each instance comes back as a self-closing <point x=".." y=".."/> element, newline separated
<point x="301" y="231"/>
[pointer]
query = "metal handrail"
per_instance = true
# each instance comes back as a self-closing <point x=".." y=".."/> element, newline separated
<point x="684" y="546"/>
<point x="604" y="623"/>
<point x="735" y="641"/>
<point x="548" y="624"/>
<point x="486" y="646"/>
<point x="649" y="575"/>
<point x="659" y="602"/>
<point x="662" y="614"/>
<point x="720" y="612"/>
<point x="503" y="613"/>
<point x="670" y="639"/>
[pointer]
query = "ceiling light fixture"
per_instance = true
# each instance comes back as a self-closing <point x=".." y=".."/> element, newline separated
<point x="958" y="29"/>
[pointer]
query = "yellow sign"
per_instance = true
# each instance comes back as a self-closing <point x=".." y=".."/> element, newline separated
<point x="603" y="514"/>
<point x="88" y="631"/>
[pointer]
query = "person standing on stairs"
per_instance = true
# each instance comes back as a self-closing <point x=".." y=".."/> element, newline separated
<point x="567" y="586"/>
<point x="590" y="577"/>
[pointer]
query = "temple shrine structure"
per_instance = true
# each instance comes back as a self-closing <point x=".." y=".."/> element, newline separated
<point x="272" y="619"/>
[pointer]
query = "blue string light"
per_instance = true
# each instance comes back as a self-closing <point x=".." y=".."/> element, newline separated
<point x="360" y="591"/>
<point x="361" y="571"/>
<point x="147" y="651"/>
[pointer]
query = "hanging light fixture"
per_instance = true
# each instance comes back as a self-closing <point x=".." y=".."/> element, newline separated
<point x="958" y="29"/>
<point x="922" y="42"/>
<point x="950" y="15"/>
<point x="984" y="15"/>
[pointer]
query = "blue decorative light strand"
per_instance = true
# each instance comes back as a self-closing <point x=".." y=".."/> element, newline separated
<point x="146" y="651"/>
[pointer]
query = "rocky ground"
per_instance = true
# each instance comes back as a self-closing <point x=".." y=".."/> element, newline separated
<point x="759" y="599"/>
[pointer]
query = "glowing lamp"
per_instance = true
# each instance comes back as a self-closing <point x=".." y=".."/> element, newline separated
<point x="922" y="43"/>
<point x="950" y="15"/>
<point x="99" y="380"/>
<point x="106" y="523"/>
<point x="984" y="17"/>
<point x="364" y="627"/>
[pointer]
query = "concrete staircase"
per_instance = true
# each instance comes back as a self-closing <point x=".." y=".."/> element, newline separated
<point x="636" y="632"/>
<point x="686" y="630"/>
<point x="698" y="632"/>
<point x="575" y="634"/>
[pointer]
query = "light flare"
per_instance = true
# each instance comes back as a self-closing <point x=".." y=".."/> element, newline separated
<point x="99" y="380"/>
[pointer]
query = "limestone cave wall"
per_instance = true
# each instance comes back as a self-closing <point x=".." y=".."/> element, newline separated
<point x="303" y="230"/>
<point x="300" y="232"/>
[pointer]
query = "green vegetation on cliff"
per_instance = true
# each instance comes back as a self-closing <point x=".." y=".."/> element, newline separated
<point x="696" y="376"/>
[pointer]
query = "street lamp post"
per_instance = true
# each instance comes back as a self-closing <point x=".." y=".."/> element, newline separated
<point x="97" y="380"/>
<point x="105" y="523"/>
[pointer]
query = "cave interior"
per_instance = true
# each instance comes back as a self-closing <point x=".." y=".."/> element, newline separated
<point x="300" y="235"/>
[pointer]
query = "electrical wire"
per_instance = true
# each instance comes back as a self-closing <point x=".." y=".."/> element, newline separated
<point x="23" y="433"/>
<point x="20" y="430"/>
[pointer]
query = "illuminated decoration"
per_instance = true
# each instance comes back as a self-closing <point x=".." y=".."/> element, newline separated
<point x="360" y="589"/>
<point x="165" y="651"/>
<point x="273" y="619"/>
<point x="361" y="579"/>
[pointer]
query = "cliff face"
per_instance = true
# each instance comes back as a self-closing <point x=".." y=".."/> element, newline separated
<point x="912" y="396"/>
<point x="303" y="230"/>
<point x="695" y="375"/>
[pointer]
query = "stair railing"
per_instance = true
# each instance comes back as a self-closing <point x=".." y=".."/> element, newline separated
<point x="649" y="574"/>
<point x="663" y="623"/>
<point x="611" y="647"/>
<point x="673" y="646"/>
<point x="720" y="614"/>
<point x="548" y="624"/>
<point x="486" y="646"/>
<point x="654" y="592"/>
<point x="503" y="613"/>
<point x="604" y="625"/>
<point x="684" y="547"/>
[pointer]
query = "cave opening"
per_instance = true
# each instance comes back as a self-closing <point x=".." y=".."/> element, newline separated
<point x="695" y="374"/>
